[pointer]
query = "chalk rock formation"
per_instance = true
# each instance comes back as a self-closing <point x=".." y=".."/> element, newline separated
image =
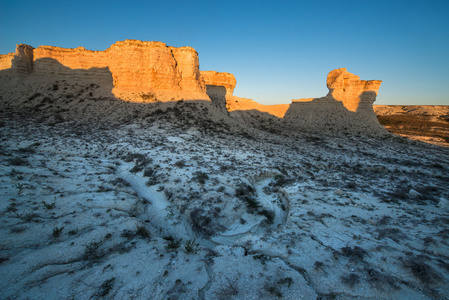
<point x="135" y="68"/>
<point x="355" y="94"/>
<point x="347" y="108"/>
<point x="223" y="79"/>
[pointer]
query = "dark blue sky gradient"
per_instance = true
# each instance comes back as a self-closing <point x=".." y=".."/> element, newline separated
<point x="277" y="50"/>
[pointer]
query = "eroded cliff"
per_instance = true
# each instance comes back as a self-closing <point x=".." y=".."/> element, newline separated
<point x="135" y="68"/>
<point x="347" y="108"/>
<point x="150" y="72"/>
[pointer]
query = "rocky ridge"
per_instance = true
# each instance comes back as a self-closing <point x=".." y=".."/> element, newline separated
<point x="152" y="72"/>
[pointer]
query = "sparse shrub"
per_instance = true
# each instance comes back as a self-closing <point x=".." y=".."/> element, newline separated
<point x="228" y="287"/>
<point x="421" y="270"/>
<point x="11" y="207"/>
<point x="318" y="265"/>
<point x="57" y="232"/>
<point x="286" y="280"/>
<point x="92" y="251"/>
<point x="34" y="96"/>
<point x="273" y="289"/>
<point x="268" y="214"/>
<point x="20" y="187"/>
<point x="128" y="234"/>
<point x="106" y="287"/>
<point x="202" y="177"/>
<point x="355" y="254"/>
<point x="143" y="232"/>
<point x="262" y="257"/>
<point x="350" y="280"/>
<point x="148" y="96"/>
<point x="172" y="243"/>
<point x="181" y="164"/>
<point x="392" y="233"/>
<point x="148" y="172"/>
<point x="385" y="220"/>
<point x="18" y="229"/>
<point x="49" y="205"/>
<point x="191" y="247"/>
<point x="28" y="217"/>
<point x="202" y="223"/>
<point x="379" y="280"/>
<point x="3" y="259"/>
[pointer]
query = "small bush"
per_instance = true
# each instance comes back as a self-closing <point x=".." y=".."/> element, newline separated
<point x="17" y="161"/>
<point x="392" y="233"/>
<point x="191" y="247"/>
<point x="181" y="164"/>
<point x="354" y="254"/>
<point x="273" y="289"/>
<point x="106" y="287"/>
<point x="202" y="177"/>
<point x="421" y="270"/>
<point x="172" y="243"/>
<point x="286" y="280"/>
<point x="143" y="232"/>
<point x="227" y="288"/>
<point x="350" y="280"/>
<point x="49" y="205"/>
<point x="57" y="231"/>
<point x="379" y="280"/>
<point x="92" y="251"/>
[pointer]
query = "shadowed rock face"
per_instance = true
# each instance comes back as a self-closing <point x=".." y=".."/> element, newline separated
<point x="346" y="109"/>
<point x="355" y="94"/>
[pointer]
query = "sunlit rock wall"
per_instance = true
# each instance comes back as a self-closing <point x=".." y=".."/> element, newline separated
<point x="135" y="68"/>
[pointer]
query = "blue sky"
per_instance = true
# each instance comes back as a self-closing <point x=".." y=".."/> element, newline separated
<point x="277" y="50"/>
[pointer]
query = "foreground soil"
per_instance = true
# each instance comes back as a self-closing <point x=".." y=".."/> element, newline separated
<point x="166" y="204"/>
<point x="426" y="123"/>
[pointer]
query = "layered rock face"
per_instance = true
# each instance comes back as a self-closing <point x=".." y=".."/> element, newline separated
<point x="223" y="79"/>
<point x="355" y="94"/>
<point x="347" y="108"/>
<point x="139" y="71"/>
<point x="135" y="68"/>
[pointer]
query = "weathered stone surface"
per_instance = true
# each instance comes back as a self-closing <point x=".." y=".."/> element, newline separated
<point x="355" y="94"/>
<point x="347" y="108"/>
<point x="226" y="80"/>
<point x="139" y="71"/>
<point x="137" y="67"/>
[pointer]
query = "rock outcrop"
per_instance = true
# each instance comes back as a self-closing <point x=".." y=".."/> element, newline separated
<point x="353" y="93"/>
<point x="136" y="68"/>
<point x="145" y="72"/>
<point x="347" y="108"/>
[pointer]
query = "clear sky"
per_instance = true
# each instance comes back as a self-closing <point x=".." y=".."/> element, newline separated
<point x="277" y="50"/>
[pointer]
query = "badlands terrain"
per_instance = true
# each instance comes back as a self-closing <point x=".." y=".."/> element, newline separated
<point x="427" y="123"/>
<point x="118" y="192"/>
